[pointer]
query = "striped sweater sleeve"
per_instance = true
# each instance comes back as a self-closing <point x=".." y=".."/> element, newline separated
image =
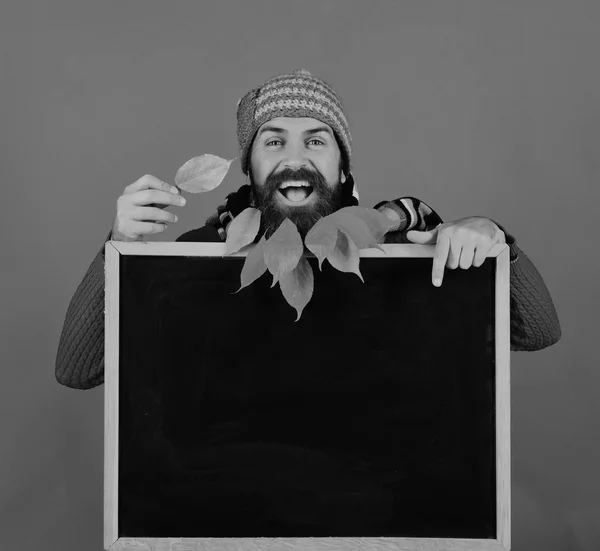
<point x="534" y="323"/>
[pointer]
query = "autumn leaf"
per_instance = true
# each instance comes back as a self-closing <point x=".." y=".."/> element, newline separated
<point x="283" y="249"/>
<point x="355" y="228"/>
<point x="321" y="239"/>
<point x="344" y="256"/>
<point x="254" y="266"/>
<point x="242" y="230"/>
<point x="202" y="173"/>
<point x="297" y="286"/>
<point x="338" y="237"/>
<point x="275" y="280"/>
<point x="378" y="223"/>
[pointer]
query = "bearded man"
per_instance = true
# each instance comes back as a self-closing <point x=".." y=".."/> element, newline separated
<point x="296" y="150"/>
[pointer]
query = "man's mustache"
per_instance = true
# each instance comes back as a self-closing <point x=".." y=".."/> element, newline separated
<point x="314" y="179"/>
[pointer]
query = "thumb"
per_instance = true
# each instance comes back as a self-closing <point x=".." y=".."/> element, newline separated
<point x="421" y="237"/>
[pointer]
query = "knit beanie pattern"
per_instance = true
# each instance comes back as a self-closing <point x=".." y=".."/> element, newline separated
<point x="296" y="94"/>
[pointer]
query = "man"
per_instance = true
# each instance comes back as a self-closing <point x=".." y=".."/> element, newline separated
<point x="296" y="151"/>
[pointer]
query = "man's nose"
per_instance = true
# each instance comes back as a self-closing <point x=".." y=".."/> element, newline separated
<point x="296" y="158"/>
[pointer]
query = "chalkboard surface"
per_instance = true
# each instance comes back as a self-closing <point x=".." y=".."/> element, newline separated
<point x="374" y="415"/>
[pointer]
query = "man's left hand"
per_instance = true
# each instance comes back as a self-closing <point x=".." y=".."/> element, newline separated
<point x="465" y="243"/>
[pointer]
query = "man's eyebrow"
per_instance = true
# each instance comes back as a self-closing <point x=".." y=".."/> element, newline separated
<point x="317" y="130"/>
<point x="278" y="130"/>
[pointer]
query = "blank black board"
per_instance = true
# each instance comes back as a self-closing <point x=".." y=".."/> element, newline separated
<point x="374" y="415"/>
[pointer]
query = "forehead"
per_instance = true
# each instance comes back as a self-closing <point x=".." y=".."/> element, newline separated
<point x="295" y="124"/>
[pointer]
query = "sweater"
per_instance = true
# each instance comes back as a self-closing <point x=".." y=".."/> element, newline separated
<point x="534" y="324"/>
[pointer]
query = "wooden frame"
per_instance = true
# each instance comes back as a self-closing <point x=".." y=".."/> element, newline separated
<point x="113" y="252"/>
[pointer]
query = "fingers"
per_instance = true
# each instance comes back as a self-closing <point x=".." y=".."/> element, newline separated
<point x="140" y="209"/>
<point x="461" y="247"/>
<point x="442" y="249"/>
<point x="156" y="198"/>
<point x="480" y="256"/>
<point x="133" y="230"/>
<point x="152" y="214"/>
<point x="145" y="228"/>
<point x="466" y="256"/>
<point x="149" y="190"/>
<point x="456" y="247"/>
<point x="150" y="182"/>
<point x="453" y="255"/>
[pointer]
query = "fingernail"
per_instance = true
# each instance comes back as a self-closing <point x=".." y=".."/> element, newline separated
<point x="174" y="190"/>
<point x="437" y="282"/>
<point x="182" y="200"/>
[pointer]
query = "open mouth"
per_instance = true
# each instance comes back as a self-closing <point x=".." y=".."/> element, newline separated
<point x="295" y="192"/>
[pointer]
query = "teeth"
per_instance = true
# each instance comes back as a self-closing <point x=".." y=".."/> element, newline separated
<point x="294" y="184"/>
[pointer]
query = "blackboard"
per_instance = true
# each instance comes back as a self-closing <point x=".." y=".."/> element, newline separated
<point x="374" y="416"/>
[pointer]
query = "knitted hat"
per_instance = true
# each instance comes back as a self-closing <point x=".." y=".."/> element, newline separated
<point x="296" y="94"/>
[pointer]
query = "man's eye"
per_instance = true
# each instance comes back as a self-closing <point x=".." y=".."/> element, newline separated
<point x="279" y="141"/>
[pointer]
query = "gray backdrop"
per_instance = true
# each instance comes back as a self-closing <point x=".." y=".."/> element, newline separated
<point x="478" y="108"/>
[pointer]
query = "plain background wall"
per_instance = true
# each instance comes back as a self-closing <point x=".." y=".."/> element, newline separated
<point x="478" y="108"/>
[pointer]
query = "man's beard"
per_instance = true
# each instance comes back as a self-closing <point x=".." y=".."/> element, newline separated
<point x="274" y="212"/>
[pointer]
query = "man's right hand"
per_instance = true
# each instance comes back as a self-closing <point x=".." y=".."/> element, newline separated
<point x="140" y="209"/>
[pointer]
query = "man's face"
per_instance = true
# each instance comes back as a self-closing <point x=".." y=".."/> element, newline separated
<point x="295" y="170"/>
